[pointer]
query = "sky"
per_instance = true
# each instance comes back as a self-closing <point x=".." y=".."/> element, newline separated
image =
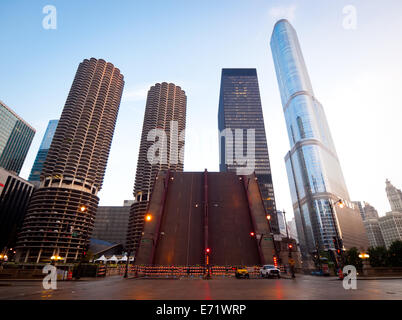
<point x="354" y="62"/>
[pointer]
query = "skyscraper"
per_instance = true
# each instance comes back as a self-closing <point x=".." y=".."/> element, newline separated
<point x="43" y="150"/>
<point x="15" y="193"/>
<point x="161" y="148"/>
<point x="391" y="227"/>
<point x="111" y="224"/>
<point x="315" y="176"/>
<point x="282" y="223"/>
<point x="394" y="196"/>
<point x="366" y="212"/>
<point x="240" y="117"/>
<point x="61" y="213"/>
<point x="15" y="139"/>
<point x="374" y="233"/>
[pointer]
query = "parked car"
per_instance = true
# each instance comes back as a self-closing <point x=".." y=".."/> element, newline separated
<point x="270" y="271"/>
<point x="242" y="272"/>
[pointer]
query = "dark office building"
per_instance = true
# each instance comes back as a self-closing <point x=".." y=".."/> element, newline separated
<point x="15" y="139"/>
<point x="165" y="111"/>
<point x="61" y="214"/>
<point x="14" y="197"/>
<point x="111" y="224"/>
<point x="42" y="153"/>
<point x="190" y="212"/>
<point x="240" y="112"/>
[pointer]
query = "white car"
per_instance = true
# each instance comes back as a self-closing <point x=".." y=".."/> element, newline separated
<point x="269" y="271"/>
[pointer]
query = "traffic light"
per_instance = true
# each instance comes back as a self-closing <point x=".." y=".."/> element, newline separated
<point x="290" y="246"/>
<point x="207" y="250"/>
<point x="252" y="234"/>
<point x="275" y="261"/>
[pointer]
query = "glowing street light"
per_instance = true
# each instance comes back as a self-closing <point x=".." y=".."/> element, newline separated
<point x="148" y="217"/>
<point x="340" y="203"/>
<point x="83" y="208"/>
<point x="268" y="217"/>
<point x="363" y="255"/>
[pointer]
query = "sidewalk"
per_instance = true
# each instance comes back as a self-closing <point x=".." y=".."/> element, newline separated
<point x="81" y="279"/>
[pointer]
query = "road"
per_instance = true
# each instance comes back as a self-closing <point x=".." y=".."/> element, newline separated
<point x="115" y="287"/>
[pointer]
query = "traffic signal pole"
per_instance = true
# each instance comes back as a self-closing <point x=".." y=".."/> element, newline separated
<point x="206" y="243"/>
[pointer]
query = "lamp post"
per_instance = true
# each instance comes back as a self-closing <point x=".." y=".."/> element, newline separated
<point x="273" y="239"/>
<point x="82" y="209"/>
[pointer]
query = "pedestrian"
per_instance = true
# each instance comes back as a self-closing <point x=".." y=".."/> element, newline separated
<point x="292" y="267"/>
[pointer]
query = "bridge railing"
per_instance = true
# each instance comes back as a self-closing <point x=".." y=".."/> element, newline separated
<point x="149" y="271"/>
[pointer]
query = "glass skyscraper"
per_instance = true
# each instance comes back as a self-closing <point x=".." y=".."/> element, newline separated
<point x="43" y="150"/>
<point x="315" y="176"/>
<point x="15" y="139"/>
<point x="240" y="108"/>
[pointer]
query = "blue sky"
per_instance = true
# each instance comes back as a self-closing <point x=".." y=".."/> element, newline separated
<point x="356" y="74"/>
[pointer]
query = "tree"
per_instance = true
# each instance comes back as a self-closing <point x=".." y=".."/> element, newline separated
<point x="352" y="258"/>
<point x="378" y="256"/>
<point x="395" y="254"/>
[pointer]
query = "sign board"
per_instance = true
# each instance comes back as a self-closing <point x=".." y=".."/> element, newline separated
<point x="277" y="237"/>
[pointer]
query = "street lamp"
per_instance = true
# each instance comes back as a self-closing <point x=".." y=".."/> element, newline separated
<point x="148" y="217"/>
<point x="364" y="255"/>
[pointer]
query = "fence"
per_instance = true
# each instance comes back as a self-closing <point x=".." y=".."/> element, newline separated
<point x="189" y="272"/>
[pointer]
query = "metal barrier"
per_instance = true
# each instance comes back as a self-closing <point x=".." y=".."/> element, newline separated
<point x="147" y="271"/>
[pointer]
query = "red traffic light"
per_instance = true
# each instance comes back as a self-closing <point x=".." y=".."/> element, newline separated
<point x="252" y="234"/>
<point x="290" y="246"/>
<point x="275" y="261"/>
<point x="207" y="250"/>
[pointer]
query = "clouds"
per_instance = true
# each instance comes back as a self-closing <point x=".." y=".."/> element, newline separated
<point x="283" y="12"/>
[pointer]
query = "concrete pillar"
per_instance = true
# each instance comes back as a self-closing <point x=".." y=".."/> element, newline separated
<point x="39" y="254"/>
<point x="26" y="256"/>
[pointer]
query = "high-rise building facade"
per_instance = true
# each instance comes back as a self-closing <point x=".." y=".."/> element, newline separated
<point x="366" y="210"/>
<point x="369" y="211"/>
<point x="161" y="148"/>
<point x="360" y="206"/>
<point x="315" y="176"/>
<point x="61" y="213"/>
<point x="240" y="118"/>
<point x="394" y="196"/>
<point x="43" y="150"/>
<point x="391" y="227"/>
<point x="282" y="223"/>
<point x="15" y="139"/>
<point x="374" y="233"/>
<point x="111" y="224"/>
<point x="15" y="193"/>
<point x="292" y="229"/>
